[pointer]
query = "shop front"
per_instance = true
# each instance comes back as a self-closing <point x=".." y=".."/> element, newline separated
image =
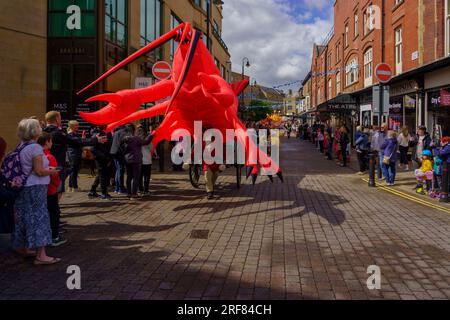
<point x="438" y="107"/>
<point x="437" y="114"/>
<point x="340" y="114"/>
<point x="404" y="106"/>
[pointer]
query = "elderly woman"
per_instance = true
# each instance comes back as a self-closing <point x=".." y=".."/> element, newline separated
<point x="32" y="225"/>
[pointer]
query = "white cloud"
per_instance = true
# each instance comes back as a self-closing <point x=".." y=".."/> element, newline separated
<point x="278" y="45"/>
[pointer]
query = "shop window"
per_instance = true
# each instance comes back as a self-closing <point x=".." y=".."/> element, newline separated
<point x="150" y="23"/>
<point x="351" y="72"/>
<point x="174" y="22"/>
<point x="59" y="77"/>
<point x="368" y="67"/>
<point x="398" y="50"/>
<point x="223" y="71"/>
<point x="71" y="18"/>
<point x="206" y="5"/>
<point x="447" y="27"/>
<point x="116" y="28"/>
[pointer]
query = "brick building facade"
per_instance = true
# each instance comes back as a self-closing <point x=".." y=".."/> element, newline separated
<point x="412" y="36"/>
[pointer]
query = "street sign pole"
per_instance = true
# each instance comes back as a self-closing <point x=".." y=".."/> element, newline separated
<point x="381" y="114"/>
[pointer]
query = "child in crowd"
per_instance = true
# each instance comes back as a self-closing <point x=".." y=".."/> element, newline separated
<point x="437" y="177"/>
<point x="45" y="140"/>
<point x="425" y="173"/>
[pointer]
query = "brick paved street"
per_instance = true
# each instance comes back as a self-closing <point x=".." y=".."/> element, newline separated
<point x="312" y="237"/>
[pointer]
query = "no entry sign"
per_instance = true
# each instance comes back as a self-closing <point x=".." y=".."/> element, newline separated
<point x="383" y="72"/>
<point x="162" y="70"/>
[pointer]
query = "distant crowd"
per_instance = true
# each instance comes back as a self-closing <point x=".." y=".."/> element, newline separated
<point x="393" y="150"/>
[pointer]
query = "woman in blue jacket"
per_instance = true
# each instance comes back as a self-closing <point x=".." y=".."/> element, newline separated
<point x="390" y="147"/>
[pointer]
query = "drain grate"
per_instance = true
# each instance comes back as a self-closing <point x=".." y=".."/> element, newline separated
<point x="199" y="234"/>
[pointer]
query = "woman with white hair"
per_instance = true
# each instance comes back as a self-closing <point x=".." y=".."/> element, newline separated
<point x="32" y="226"/>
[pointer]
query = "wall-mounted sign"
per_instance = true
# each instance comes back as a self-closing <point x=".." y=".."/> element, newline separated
<point x="74" y="19"/>
<point x="143" y="82"/>
<point x="404" y="88"/>
<point x="415" y="55"/>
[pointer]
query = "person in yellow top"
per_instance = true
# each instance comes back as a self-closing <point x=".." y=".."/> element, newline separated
<point x="425" y="173"/>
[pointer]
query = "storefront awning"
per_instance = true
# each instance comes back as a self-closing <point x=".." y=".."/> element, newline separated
<point x="342" y="103"/>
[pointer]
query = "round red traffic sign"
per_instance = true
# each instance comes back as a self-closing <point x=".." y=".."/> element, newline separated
<point x="162" y="70"/>
<point x="383" y="72"/>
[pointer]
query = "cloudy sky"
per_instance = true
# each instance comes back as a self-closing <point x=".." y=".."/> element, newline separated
<point x="276" y="35"/>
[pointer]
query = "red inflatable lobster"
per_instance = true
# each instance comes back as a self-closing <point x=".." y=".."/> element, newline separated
<point x="197" y="93"/>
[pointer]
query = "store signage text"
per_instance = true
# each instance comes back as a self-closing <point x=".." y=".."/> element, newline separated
<point x="404" y="88"/>
<point x="70" y="51"/>
<point x="62" y="107"/>
<point x="74" y="20"/>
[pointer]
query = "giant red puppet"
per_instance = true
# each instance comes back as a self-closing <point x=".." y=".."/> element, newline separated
<point x="197" y="93"/>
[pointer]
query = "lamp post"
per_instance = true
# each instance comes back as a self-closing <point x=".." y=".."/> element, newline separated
<point x="245" y="63"/>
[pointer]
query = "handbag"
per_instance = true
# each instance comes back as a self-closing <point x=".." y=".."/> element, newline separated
<point x="387" y="160"/>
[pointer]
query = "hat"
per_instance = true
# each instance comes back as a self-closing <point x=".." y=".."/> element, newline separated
<point x="427" y="153"/>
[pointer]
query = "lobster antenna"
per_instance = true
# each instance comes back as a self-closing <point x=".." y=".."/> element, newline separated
<point x="150" y="47"/>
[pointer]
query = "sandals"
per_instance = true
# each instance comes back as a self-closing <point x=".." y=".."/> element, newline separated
<point x="38" y="262"/>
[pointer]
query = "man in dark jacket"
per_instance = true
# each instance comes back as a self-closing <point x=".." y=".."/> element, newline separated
<point x="103" y="160"/>
<point x="423" y="142"/>
<point x="131" y="144"/>
<point x="362" y="149"/>
<point x="61" y="141"/>
<point x="119" y="161"/>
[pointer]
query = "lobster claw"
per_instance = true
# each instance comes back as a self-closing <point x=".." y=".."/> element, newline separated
<point x="112" y="98"/>
<point x="280" y="175"/>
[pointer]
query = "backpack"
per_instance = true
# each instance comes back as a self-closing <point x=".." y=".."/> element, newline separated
<point x="11" y="168"/>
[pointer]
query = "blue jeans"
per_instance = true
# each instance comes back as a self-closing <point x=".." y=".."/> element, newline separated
<point x="391" y="171"/>
<point x="120" y="175"/>
<point x="383" y="167"/>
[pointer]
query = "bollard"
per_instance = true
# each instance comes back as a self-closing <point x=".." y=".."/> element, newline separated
<point x="372" y="165"/>
<point x="445" y="182"/>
